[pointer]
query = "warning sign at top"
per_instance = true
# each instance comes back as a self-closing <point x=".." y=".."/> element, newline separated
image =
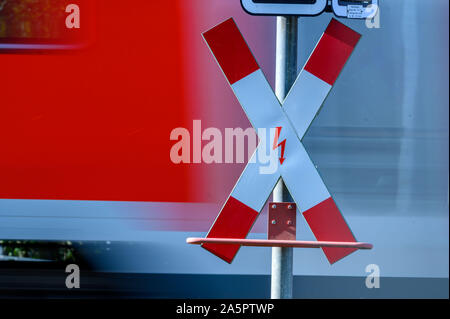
<point x="284" y="7"/>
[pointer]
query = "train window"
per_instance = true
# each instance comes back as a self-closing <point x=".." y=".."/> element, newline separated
<point x="44" y="24"/>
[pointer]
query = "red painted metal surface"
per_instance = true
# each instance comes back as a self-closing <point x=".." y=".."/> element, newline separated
<point x="282" y="221"/>
<point x="234" y="57"/>
<point x="235" y="220"/>
<point x="278" y="243"/>
<point x="328" y="224"/>
<point x="88" y="124"/>
<point x="343" y="33"/>
<point x="332" y="52"/>
<point x="94" y="124"/>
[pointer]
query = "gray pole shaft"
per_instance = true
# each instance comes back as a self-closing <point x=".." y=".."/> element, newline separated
<point x="286" y="73"/>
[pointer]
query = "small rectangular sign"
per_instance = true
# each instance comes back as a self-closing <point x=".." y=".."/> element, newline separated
<point x="355" y="11"/>
<point x="284" y="7"/>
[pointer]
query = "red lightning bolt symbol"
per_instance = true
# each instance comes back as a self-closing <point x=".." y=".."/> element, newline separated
<point x="282" y="144"/>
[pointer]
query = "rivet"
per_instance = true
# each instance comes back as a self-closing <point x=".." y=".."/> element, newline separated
<point x="289" y="222"/>
<point x="274" y="206"/>
<point x="290" y="206"/>
<point x="274" y="221"/>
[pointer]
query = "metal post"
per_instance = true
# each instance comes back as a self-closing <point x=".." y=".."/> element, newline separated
<point x="286" y="73"/>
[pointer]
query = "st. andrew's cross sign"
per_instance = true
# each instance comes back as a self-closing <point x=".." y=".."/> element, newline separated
<point x="292" y="120"/>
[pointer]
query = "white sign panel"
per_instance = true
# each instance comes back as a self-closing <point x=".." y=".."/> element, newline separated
<point x="284" y="7"/>
<point x="355" y="9"/>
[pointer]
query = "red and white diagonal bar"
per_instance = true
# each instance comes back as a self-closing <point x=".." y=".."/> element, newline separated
<point x="241" y="209"/>
<point x="314" y="83"/>
<point x="302" y="104"/>
<point x="248" y="197"/>
<point x="262" y="108"/>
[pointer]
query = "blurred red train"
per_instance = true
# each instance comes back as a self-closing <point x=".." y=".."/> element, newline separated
<point x="87" y="113"/>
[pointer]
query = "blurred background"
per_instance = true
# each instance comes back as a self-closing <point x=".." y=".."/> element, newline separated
<point x="86" y="175"/>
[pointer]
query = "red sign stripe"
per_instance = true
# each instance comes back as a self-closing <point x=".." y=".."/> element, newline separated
<point x="327" y="224"/>
<point x="231" y="51"/>
<point x="234" y="221"/>
<point x="343" y="33"/>
<point x="332" y="52"/>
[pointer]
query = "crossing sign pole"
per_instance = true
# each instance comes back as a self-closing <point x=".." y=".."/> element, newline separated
<point x="286" y="73"/>
<point x="289" y="112"/>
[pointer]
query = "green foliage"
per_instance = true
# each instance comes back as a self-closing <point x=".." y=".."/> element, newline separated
<point x="60" y="251"/>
